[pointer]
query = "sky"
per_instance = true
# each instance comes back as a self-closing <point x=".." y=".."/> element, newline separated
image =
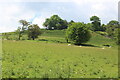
<point x="36" y="11"/>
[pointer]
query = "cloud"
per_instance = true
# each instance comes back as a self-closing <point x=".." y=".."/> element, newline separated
<point x="11" y="14"/>
<point x="11" y="11"/>
<point x="39" y="21"/>
<point x="105" y="9"/>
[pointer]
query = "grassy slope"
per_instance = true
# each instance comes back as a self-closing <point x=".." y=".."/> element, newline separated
<point x="47" y="58"/>
<point x="97" y="40"/>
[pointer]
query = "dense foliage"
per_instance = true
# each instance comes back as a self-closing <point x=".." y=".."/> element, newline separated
<point x="55" y="23"/>
<point x="111" y="28"/>
<point x="96" y="23"/>
<point x="78" y="33"/>
<point x="33" y="31"/>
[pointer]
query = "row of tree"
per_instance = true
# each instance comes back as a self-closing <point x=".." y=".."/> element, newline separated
<point x="110" y="29"/>
<point x="75" y="30"/>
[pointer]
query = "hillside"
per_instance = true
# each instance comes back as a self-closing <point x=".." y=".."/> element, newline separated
<point x="49" y="56"/>
<point x="58" y="36"/>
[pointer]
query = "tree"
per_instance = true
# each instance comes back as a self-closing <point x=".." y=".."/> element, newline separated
<point x="96" y="23"/>
<point x="89" y="26"/>
<point x="117" y="35"/>
<point x="113" y="22"/>
<point x="19" y="33"/>
<point x="24" y="24"/>
<point x="22" y="29"/>
<point x="71" y="22"/>
<point x="55" y="22"/>
<point x="33" y="31"/>
<point x="111" y="27"/>
<point x="103" y="27"/>
<point x="78" y="33"/>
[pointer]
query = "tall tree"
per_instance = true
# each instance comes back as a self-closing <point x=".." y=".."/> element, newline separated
<point x="55" y="22"/>
<point x="33" y="31"/>
<point x="22" y="29"/>
<point x="96" y="23"/>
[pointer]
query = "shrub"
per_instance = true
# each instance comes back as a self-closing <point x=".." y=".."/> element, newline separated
<point x="78" y="33"/>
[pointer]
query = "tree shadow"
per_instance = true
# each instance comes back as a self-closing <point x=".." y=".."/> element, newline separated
<point x="89" y="45"/>
<point x="43" y="40"/>
<point x="55" y="41"/>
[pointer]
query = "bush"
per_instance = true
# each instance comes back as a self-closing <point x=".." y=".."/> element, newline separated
<point x="78" y="33"/>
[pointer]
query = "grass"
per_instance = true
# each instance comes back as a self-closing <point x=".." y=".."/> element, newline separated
<point x="49" y="56"/>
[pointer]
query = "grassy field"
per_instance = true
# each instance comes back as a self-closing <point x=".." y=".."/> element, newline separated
<point x="49" y="56"/>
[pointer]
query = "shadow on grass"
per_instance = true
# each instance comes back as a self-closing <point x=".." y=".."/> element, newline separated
<point x="55" y="41"/>
<point x="42" y="40"/>
<point x="89" y="45"/>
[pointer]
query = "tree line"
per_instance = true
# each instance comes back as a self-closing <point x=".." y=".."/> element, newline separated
<point x="77" y="32"/>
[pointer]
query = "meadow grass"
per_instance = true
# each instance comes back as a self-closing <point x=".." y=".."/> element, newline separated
<point x="32" y="59"/>
<point x="49" y="56"/>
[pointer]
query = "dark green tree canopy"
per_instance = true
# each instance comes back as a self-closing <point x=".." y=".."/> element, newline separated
<point x="33" y="31"/>
<point x="78" y="33"/>
<point x="111" y="28"/>
<point x="55" y="22"/>
<point x="113" y="22"/>
<point x="96" y="23"/>
<point x="95" y="19"/>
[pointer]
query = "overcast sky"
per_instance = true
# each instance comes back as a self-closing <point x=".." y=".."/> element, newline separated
<point x="35" y="11"/>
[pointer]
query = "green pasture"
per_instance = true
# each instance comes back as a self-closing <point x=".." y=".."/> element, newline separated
<point x="25" y="59"/>
<point x="49" y="56"/>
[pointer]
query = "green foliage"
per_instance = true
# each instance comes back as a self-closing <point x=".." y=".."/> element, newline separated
<point x="33" y="31"/>
<point x="117" y="35"/>
<point x="55" y="23"/>
<point x="95" y="19"/>
<point x="78" y="33"/>
<point x="111" y="28"/>
<point x="24" y="24"/>
<point x="70" y="23"/>
<point x="96" y="23"/>
<point x="19" y="33"/>
<point x="89" y="26"/>
<point x="21" y="30"/>
<point x="113" y="22"/>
